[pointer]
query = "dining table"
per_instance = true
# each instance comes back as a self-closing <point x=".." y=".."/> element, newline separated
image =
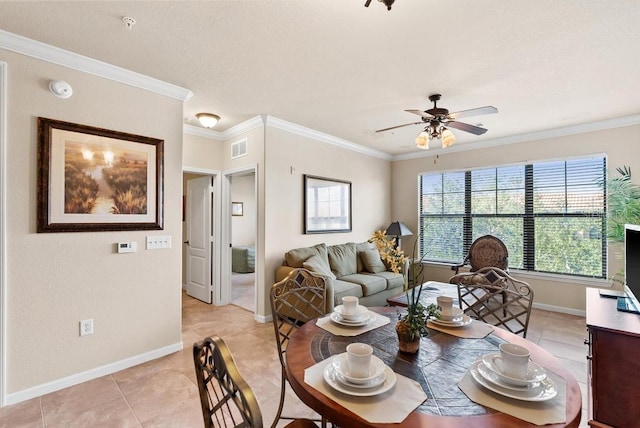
<point x="441" y="362"/>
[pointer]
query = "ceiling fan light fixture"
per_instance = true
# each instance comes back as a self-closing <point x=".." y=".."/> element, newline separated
<point x="208" y="120"/>
<point x="422" y="140"/>
<point x="448" y="138"/>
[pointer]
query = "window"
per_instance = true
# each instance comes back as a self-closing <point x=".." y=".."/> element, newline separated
<point x="550" y="215"/>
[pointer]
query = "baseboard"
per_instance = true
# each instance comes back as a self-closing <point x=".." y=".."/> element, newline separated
<point x="263" y="318"/>
<point x="560" y="309"/>
<point x="75" y="379"/>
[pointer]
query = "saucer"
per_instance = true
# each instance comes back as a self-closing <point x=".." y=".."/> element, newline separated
<point x="493" y="377"/>
<point x="456" y="314"/>
<point x="361" y="311"/>
<point x="337" y="318"/>
<point x="373" y="383"/>
<point x="545" y="391"/>
<point x="340" y="365"/>
<point x="466" y="320"/>
<point x="332" y="378"/>
<point x="535" y="373"/>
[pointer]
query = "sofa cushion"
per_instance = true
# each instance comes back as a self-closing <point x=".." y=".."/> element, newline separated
<point x="344" y="288"/>
<point x="318" y="265"/>
<point x="370" y="283"/>
<point x="342" y="259"/>
<point x="360" y="247"/>
<point x="372" y="262"/>
<point x="296" y="258"/>
<point x="394" y="280"/>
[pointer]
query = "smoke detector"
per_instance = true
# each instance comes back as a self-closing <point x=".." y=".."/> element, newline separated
<point x="60" y="88"/>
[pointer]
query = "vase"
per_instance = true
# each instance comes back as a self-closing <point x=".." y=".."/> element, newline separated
<point x="405" y="345"/>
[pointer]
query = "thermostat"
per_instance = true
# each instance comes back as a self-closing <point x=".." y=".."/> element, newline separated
<point x="127" y="247"/>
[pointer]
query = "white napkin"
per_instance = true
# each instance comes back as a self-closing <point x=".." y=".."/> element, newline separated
<point x="475" y="330"/>
<point x="338" y="330"/>
<point x="553" y="411"/>
<point x="391" y="407"/>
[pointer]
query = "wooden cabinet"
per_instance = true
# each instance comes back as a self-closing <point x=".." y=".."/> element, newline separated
<point x="613" y="363"/>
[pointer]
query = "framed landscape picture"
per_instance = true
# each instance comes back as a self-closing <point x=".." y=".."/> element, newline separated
<point x="93" y="179"/>
<point x="327" y="205"/>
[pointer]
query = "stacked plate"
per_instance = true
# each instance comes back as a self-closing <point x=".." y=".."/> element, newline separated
<point x="456" y="319"/>
<point x="360" y="318"/>
<point x="534" y="386"/>
<point x="380" y="379"/>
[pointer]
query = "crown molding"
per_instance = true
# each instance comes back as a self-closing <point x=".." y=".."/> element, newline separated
<point x="227" y="134"/>
<point x="321" y="136"/>
<point x="72" y="60"/>
<point x="620" y="122"/>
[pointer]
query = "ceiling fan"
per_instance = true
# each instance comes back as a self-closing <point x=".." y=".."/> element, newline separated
<point x="439" y="119"/>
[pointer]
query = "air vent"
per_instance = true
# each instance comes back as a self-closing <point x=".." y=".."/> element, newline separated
<point x="238" y="149"/>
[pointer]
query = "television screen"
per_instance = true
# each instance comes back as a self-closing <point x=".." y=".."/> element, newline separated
<point x="632" y="263"/>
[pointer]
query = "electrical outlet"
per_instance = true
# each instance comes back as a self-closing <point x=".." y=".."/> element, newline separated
<point x="86" y="327"/>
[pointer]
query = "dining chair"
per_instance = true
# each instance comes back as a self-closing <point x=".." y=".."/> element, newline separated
<point x="298" y="298"/>
<point x="486" y="251"/>
<point x="492" y="295"/>
<point x="225" y="397"/>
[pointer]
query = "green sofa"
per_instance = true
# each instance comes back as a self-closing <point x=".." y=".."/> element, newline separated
<point x="351" y="269"/>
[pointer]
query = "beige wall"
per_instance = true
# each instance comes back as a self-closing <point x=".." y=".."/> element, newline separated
<point x="371" y="188"/>
<point x="244" y="227"/>
<point x="54" y="280"/>
<point x="201" y="153"/>
<point x="619" y="145"/>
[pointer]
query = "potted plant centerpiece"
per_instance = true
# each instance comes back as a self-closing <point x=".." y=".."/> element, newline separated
<point x="412" y="325"/>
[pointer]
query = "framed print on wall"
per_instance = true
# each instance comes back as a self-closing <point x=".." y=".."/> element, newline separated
<point x="237" y="208"/>
<point x="94" y="179"/>
<point x="327" y="205"/>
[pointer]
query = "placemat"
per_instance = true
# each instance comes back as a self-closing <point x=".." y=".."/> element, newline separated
<point x="553" y="411"/>
<point x="475" y="330"/>
<point x="338" y="330"/>
<point x="391" y="407"/>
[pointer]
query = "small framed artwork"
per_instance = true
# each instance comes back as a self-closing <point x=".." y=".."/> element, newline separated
<point x="93" y="179"/>
<point x="237" y="208"/>
<point x="327" y="205"/>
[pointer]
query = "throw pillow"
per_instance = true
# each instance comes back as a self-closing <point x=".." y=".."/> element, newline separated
<point x="372" y="261"/>
<point x="295" y="258"/>
<point x="342" y="259"/>
<point x="318" y="265"/>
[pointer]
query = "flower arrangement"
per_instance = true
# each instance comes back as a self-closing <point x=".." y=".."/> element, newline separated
<point x="412" y="325"/>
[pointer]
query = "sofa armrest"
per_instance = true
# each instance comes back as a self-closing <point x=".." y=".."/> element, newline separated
<point x="283" y="271"/>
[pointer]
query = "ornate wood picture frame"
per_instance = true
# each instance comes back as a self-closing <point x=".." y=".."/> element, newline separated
<point x="93" y="179"/>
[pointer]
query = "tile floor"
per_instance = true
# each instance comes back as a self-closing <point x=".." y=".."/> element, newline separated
<point x="163" y="393"/>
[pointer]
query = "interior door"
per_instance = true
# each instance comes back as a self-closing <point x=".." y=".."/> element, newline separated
<point x="199" y="238"/>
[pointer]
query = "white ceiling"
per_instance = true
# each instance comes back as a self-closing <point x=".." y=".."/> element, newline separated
<point x="340" y="68"/>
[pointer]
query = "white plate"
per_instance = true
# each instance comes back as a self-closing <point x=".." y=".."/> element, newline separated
<point x="453" y="321"/>
<point x="455" y="313"/>
<point x="341" y="366"/>
<point x="336" y="318"/>
<point x="535" y="373"/>
<point x="375" y="382"/>
<point x="493" y="377"/>
<point x="465" y="321"/>
<point x="331" y="377"/>
<point x="545" y="391"/>
<point x="361" y="312"/>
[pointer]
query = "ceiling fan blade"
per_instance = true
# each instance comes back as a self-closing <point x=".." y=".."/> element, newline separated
<point x="424" y="114"/>
<point x="399" y="126"/>
<point x="466" y="127"/>
<point x="473" y="112"/>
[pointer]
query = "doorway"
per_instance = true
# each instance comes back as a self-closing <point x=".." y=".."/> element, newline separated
<point x="243" y="232"/>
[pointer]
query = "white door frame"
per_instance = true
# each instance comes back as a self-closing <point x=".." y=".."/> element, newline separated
<point x="225" y="238"/>
<point x="3" y="234"/>
<point x="217" y="242"/>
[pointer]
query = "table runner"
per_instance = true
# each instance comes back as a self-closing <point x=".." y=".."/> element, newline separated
<point x="475" y="330"/>
<point x="391" y="407"/>
<point x="539" y="413"/>
<point x="338" y="330"/>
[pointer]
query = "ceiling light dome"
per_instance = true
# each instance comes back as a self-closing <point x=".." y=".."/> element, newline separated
<point x="208" y="120"/>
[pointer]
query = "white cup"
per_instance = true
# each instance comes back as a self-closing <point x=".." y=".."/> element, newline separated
<point x="515" y="359"/>
<point x="350" y="304"/>
<point x="446" y="303"/>
<point x="359" y="359"/>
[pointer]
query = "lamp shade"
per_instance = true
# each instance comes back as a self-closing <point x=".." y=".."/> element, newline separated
<point x="208" y="120"/>
<point x="398" y="228"/>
